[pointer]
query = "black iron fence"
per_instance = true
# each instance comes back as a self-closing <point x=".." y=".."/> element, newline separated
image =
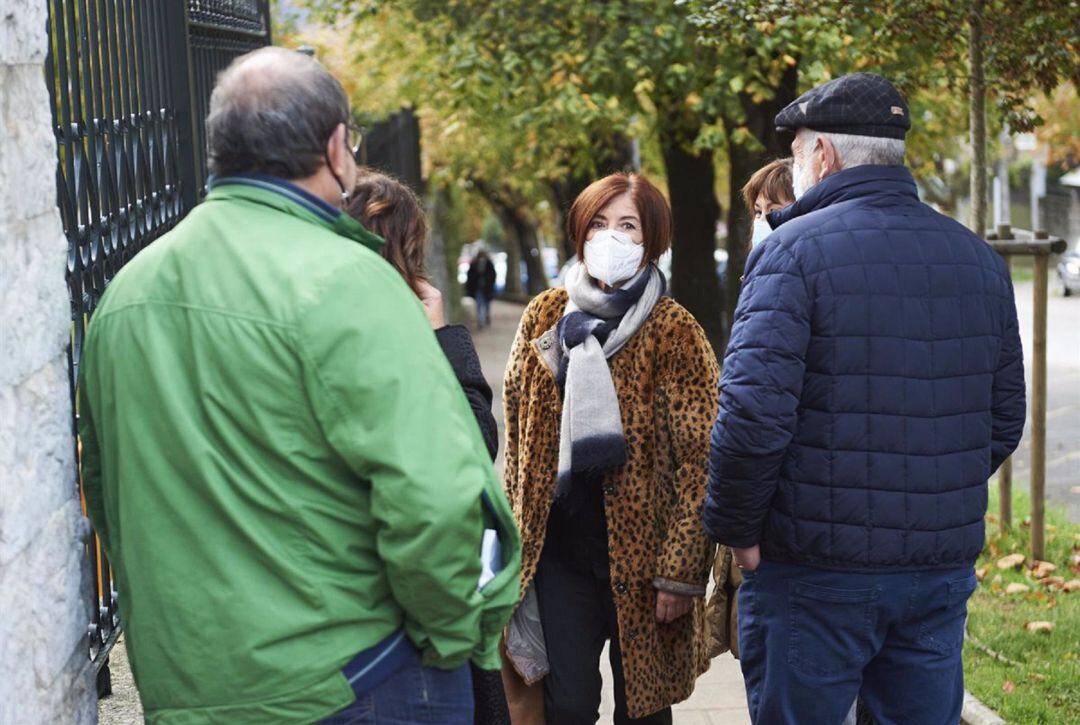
<point x="130" y="83"/>
<point x="393" y="145"/>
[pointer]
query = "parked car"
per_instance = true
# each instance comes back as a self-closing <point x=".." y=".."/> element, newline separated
<point x="1068" y="270"/>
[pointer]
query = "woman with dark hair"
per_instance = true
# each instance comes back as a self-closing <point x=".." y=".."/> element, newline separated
<point x="390" y="209"/>
<point x="610" y="395"/>
<point x="769" y="189"/>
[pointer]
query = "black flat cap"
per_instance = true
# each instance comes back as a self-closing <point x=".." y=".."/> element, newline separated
<point x="863" y="104"/>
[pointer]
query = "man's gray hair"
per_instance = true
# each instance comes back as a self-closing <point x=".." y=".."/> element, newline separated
<point x="272" y="112"/>
<point x="856" y="150"/>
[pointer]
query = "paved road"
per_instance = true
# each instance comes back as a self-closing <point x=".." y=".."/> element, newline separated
<point x="1063" y="399"/>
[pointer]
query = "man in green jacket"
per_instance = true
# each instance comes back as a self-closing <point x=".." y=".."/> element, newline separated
<point x="289" y="483"/>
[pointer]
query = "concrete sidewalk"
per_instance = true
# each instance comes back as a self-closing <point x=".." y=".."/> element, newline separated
<point x="720" y="698"/>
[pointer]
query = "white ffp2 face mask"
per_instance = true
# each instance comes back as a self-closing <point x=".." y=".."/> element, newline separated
<point x="801" y="180"/>
<point x="612" y="257"/>
<point x="761" y="230"/>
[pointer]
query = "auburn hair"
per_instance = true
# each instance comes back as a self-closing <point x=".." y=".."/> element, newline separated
<point x="652" y="210"/>
<point x="392" y="210"/>
<point x="774" y="181"/>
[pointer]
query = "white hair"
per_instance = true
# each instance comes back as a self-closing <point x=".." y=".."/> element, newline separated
<point x="859" y="150"/>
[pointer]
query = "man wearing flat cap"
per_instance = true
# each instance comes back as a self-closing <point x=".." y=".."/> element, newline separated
<point x="872" y="384"/>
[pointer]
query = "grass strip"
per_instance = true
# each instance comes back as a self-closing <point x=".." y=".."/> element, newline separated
<point x="1028" y="673"/>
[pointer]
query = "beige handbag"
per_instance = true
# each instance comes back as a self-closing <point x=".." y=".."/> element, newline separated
<point x="721" y="612"/>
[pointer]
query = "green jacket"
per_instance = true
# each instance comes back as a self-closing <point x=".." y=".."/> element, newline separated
<point x="281" y="464"/>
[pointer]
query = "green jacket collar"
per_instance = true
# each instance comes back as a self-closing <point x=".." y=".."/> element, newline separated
<point x="291" y="199"/>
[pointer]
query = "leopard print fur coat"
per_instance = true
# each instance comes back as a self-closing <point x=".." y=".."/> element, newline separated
<point x="666" y="379"/>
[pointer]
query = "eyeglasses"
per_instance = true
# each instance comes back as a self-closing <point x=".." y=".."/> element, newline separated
<point x="355" y="139"/>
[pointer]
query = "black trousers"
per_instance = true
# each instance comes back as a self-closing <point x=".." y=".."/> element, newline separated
<point x="489" y="698"/>
<point x="578" y="616"/>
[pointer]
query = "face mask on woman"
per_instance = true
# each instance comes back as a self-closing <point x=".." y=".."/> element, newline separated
<point x="612" y="257"/>
<point x="802" y="179"/>
<point x="761" y="230"/>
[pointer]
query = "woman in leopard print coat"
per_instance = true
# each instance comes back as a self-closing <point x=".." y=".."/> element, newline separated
<point x="647" y="577"/>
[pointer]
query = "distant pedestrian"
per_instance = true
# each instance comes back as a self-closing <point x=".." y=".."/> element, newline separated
<point x="610" y="393"/>
<point x="873" y="382"/>
<point x="480" y="285"/>
<point x="390" y="209"/>
<point x="294" y="533"/>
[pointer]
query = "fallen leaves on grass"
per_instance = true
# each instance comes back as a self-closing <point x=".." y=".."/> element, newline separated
<point x="1017" y="588"/>
<point x="1012" y="561"/>
<point x="1073" y="585"/>
<point x="1042" y="569"/>
<point x="981" y="572"/>
<point x="1041" y="627"/>
<point x="1008" y="687"/>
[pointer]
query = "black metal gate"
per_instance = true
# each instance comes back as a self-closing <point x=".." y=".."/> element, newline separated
<point x="130" y="84"/>
<point x="393" y="145"/>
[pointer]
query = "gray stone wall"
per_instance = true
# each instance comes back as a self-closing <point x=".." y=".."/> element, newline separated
<point x="45" y="674"/>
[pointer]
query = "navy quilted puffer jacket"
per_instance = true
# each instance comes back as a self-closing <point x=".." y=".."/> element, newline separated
<point x="873" y="382"/>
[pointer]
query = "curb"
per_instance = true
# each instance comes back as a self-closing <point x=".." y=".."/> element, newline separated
<point x="976" y="713"/>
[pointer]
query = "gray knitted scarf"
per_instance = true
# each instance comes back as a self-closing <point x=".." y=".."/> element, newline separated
<point x="595" y="326"/>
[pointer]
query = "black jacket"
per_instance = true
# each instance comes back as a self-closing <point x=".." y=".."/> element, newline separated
<point x="458" y="347"/>
<point x="488" y="696"/>
<point x="480" y="280"/>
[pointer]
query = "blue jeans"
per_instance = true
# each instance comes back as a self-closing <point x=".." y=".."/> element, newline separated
<point x="414" y="694"/>
<point x="483" y="309"/>
<point x="812" y="640"/>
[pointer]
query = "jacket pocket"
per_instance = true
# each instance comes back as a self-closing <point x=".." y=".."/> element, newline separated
<point x="829" y="630"/>
<point x="945" y="616"/>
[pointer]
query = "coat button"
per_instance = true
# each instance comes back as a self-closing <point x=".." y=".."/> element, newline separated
<point x="545" y="344"/>
<point x="621" y="587"/>
<point x="609" y="489"/>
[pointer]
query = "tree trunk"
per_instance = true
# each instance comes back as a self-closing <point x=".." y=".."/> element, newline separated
<point x="977" y="89"/>
<point x="563" y="192"/>
<point x="523" y="232"/>
<point x="691" y="181"/>
<point x="523" y="244"/>
<point x="744" y="161"/>
<point x="442" y="251"/>
<point x="513" y="262"/>
<point x="613" y="153"/>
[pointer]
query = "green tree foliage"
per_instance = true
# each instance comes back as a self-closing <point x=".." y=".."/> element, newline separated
<point x="528" y="101"/>
<point x="1025" y="46"/>
<point x="571" y="81"/>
